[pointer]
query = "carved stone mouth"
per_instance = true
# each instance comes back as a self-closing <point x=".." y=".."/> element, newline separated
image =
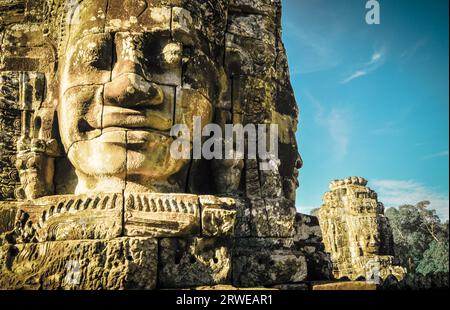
<point x="135" y="137"/>
<point x="372" y="249"/>
<point x="136" y="118"/>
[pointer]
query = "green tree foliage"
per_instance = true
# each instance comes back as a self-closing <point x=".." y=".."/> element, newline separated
<point x="421" y="240"/>
<point x="435" y="259"/>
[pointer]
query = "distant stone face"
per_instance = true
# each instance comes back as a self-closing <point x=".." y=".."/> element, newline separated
<point x="356" y="233"/>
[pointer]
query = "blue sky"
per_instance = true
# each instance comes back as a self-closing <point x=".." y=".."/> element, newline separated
<point x="374" y="99"/>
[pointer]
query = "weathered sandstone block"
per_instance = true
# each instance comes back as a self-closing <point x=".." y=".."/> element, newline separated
<point x="308" y="240"/>
<point x="273" y="218"/>
<point x="218" y="216"/>
<point x="265" y="262"/>
<point x="101" y="264"/>
<point x="194" y="262"/>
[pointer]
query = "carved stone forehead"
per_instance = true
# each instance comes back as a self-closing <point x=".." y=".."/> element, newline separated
<point x="189" y="22"/>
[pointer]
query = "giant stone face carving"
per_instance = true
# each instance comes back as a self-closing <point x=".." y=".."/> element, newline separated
<point x="119" y="92"/>
<point x="115" y="76"/>
<point x="89" y="90"/>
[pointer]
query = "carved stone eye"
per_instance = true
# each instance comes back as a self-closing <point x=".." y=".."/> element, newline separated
<point x="20" y="164"/>
<point x="91" y="53"/>
<point x="96" y="53"/>
<point x="172" y="54"/>
<point x="32" y="162"/>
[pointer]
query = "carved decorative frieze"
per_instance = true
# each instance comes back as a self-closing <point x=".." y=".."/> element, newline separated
<point x="218" y="216"/>
<point x="59" y="218"/>
<point x="107" y="216"/>
<point x="161" y="215"/>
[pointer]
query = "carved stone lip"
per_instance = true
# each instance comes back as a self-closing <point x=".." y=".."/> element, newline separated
<point x="136" y="118"/>
<point x="32" y="172"/>
<point x="142" y="136"/>
<point x="135" y="136"/>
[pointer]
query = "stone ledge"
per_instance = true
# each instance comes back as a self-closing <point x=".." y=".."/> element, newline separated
<point x="107" y="216"/>
<point x="345" y="286"/>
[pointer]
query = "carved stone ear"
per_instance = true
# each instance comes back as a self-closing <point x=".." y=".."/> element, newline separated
<point x="19" y="193"/>
<point x="227" y="175"/>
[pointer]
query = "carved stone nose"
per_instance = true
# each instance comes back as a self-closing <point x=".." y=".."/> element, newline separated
<point x="130" y="90"/>
<point x="373" y="241"/>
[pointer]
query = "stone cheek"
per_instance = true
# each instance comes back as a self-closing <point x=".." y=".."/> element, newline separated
<point x="87" y="265"/>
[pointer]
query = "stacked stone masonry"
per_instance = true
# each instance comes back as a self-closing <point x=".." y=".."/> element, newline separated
<point x="90" y="196"/>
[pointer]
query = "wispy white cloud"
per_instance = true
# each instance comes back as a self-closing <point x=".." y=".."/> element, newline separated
<point x="376" y="60"/>
<point x="339" y="131"/>
<point x="394" y="193"/>
<point x="375" y="57"/>
<point x="413" y="49"/>
<point x="355" y="75"/>
<point x="337" y="123"/>
<point x="438" y="154"/>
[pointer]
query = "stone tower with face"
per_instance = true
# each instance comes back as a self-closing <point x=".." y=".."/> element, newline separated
<point x="89" y="93"/>
<point x="356" y="232"/>
<point x="117" y="75"/>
